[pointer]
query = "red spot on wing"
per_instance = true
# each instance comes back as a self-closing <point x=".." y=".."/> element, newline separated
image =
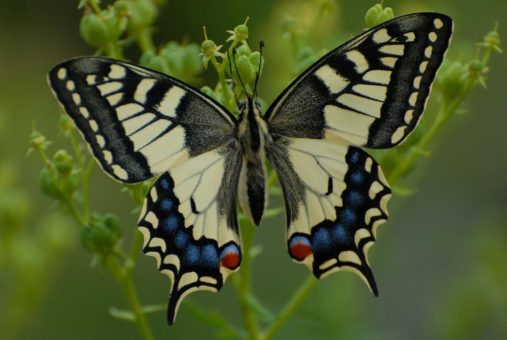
<point x="230" y="260"/>
<point x="300" y="250"/>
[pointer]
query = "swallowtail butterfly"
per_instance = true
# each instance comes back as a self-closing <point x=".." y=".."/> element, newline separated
<point x="370" y="92"/>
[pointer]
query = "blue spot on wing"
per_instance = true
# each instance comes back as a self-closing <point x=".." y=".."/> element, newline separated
<point x="340" y="234"/>
<point x="209" y="256"/>
<point x="181" y="239"/>
<point x="171" y="224"/>
<point x="321" y="240"/>
<point x="357" y="177"/>
<point x="191" y="255"/>
<point x="354" y="157"/>
<point x="164" y="183"/>
<point x="166" y="205"/>
<point x="354" y="198"/>
<point x="348" y="216"/>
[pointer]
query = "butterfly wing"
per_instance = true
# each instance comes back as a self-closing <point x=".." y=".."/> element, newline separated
<point x="189" y="223"/>
<point x="372" y="90"/>
<point x="137" y="122"/>
<point x="369" y="92"/>
<point x="335" y="196"/>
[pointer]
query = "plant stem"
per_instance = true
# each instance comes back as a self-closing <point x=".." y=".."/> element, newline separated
<point x="137" y="245"/>
<point x="291" y="306"/>
<point x="125" y="281"/>
<point x="144" y="40"/>
<point x="243" y="284"/>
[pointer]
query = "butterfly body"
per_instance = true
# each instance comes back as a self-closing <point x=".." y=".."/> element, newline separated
<point x="369" y="92"/>
<point x="253" y="136"/>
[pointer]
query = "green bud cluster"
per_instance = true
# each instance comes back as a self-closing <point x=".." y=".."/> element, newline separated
<point x="246" y="62"/>
<point x="101" y="236"/>
<point x="377" y="15"/>
<point x="452" y="78"/>
<point x="104" y="28"/>
<point x="60" y="176"/>
<point x="492" y="40"/>
<point x="110" y="28"/>
<point x="175" y="59"/>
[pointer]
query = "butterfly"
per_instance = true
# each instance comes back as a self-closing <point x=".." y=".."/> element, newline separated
<point x="368" y="93"/>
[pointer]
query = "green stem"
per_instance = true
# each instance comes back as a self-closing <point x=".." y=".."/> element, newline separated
<point x="94" y="6"/>
<point x="243" y="284"/>
<point x="125" y="281"/>
<point x="114" y="50"/>
<point x="136" y="248"/>
<point x="85" y="188"/>
<point x="144" y="40"/>
<point x="291" y="307"/>
<point x="221" y="79"/>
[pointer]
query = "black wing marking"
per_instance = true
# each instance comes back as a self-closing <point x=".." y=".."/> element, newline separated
<point x="189" y="223"/>
<point x="137" y="122"/>
<point x="372" y="90"/>
<point x="335" y="196"/>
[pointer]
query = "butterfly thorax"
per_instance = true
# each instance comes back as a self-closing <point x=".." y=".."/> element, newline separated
<point x="252" y="134"/>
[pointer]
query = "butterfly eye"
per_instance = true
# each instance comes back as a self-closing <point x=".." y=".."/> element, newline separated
<point x="242" y="104"/>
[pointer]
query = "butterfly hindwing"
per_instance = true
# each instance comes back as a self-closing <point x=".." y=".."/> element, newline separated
<point x="372" y="90"/>
<point x="189" y="223"/>
<point x="336" y="197"/>
<point x="137" y="122"/>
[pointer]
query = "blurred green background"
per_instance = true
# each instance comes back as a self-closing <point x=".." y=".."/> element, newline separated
<point x="440" y="261"/>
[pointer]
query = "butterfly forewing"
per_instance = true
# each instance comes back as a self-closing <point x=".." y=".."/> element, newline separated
<point x="137" y="122"/>
<point x="370" y="91"/>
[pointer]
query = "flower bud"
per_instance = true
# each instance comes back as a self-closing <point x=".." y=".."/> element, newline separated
<point x="157" y="63"/>
<point x="142" y="14"/>
<point x="255" y="59"/>
<point x="377" y="15"/>
<point x="191" y="61"/>
<point x="116" y="25"/>
<point x="451" y="79"/>
<point x="70" y="183"/>
<point x="245" y="69"/>
<point x="63" y="162"/>
<point x="241" y="32"/>
<point x="146" y="58"/>
<point x="65" y="124"/>
<point x="173" y="55"/>
<point x="37" y="140"/>
<point x="47" y="185"/>
<point x="94" y="30"/>
<point x="208" y="48"/>
<point x="102" y="234"/>
<point x="492" y="40"/>
<point x="121" y="8"/>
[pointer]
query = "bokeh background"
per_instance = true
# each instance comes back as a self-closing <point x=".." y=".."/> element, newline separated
<point x="440" y="262"/>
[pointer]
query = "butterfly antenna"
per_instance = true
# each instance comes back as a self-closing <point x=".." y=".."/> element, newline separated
<point x="261" y="45"/>
<point x="239" y="76"/>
